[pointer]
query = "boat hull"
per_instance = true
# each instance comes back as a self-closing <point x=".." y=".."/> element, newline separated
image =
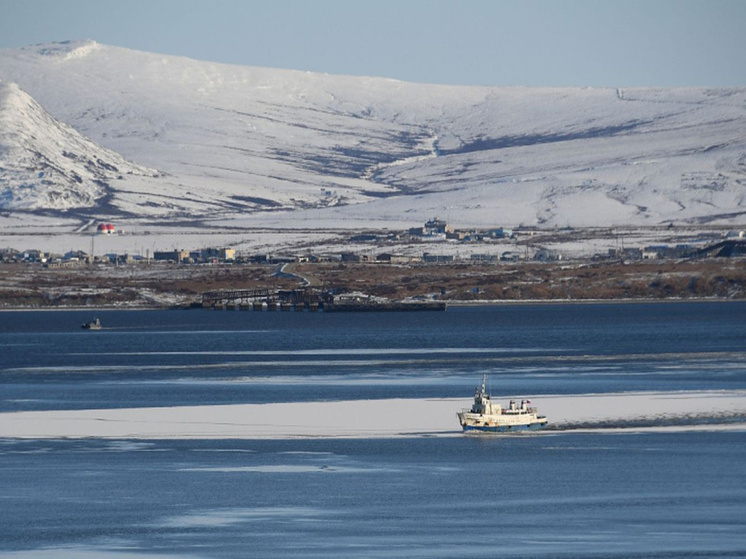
<point x="504" y="428"/>
<point x="487" y="416"/>
<point x="501" y="423"/>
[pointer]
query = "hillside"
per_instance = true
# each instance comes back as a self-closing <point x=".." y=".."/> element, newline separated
<point x="232" y="146"/>
<point x="45" y="164"/>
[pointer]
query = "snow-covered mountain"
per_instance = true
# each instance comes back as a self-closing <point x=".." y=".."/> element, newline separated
<point x="233" y="143"/>
<point x="45" y="164"/>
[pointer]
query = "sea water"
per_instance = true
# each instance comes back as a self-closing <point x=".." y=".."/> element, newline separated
<point x="556" y="494"/>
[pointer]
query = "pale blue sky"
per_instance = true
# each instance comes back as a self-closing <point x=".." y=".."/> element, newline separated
<point x="480" y="42"/>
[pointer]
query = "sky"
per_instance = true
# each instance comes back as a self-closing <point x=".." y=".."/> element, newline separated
<point x="586" y="43"/>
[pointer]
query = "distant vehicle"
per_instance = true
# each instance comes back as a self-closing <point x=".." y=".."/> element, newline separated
<point x="94" y="324"/>
<point x="486" y="416"/>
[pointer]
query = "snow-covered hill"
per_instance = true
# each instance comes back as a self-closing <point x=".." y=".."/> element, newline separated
<point x="45" y="164"/>
<point x="237" y="145"/>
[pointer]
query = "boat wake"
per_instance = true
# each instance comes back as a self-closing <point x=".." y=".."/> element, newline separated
<point x="704" y="421"/>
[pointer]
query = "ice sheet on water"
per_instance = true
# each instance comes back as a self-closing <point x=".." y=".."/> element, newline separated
<point x="226" y="517"/>
<point x="130" y="446"/>
<point x="339" y="351"/>
<point x="378" y="418"/>
<point x="285" y="469"/>
<point x="86" y="552"/>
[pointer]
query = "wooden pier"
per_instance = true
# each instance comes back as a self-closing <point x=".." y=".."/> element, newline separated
<point x="236" y="296"/>
<point x="299" y="300"/>
<point x="262" y="299"/>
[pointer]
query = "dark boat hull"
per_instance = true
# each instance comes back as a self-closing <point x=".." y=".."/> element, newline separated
<point x="504" y="428"/>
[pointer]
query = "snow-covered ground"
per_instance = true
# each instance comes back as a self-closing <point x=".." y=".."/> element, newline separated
<point x="137" y="237"/>
<point x="378" y="418"/>
<point x="222" y="147"/>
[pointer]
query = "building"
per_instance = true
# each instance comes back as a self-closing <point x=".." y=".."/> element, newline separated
<point x="106" y="229"/>
<point x="437" y="258"/>
<point x="725" y="249"/>
<point x="397" y="258"/>
<point x="178" y="256"/>
<point x="546" y="255"/>
<point x="500" y="233"/>
<point x="10" y="255"/>
<point x="35" y="255"/>
<point x="510" y="256"/>
<point x="437" y="227"/>
<point x="352" y="257"/>
<point x="221" y="254"/>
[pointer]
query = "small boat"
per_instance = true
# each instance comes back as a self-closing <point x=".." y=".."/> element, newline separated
<point x="94" y="324"/>
<point x="486" y="416"/>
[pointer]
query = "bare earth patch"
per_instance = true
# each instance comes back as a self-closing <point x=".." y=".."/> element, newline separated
<point x="159" y="285"/>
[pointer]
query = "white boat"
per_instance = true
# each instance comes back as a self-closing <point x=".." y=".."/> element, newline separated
<point x="487" y="416"/>
<point x="94" y="324"/>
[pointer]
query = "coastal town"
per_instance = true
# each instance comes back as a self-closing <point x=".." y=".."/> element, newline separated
<point x="382" y="247"/>
<point x="433" y="263"/>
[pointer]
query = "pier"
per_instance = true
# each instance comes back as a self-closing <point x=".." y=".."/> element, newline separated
<point x="300" y="300"/>
<point x="236" y="297"/>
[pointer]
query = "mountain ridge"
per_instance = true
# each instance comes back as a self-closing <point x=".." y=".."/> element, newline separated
<point x="45" y="164"/>
<point x="235" y="143"/>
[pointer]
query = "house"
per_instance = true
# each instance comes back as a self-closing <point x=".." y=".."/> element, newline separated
<point x="75" y="256"/>
<point x="545" y="255"/>
<point x="654" y="252"/>
<point x="397" y="258"/>
<point x="178" y="256"/>
<point x="509" y="256"/>
<point x="483" y="257"/>
<point x="34" y="255"/>
<point x="214" y="255"/>
<point x="500" y="233"/>
<point x="9" y="255"/>
<point x="437" y="227"/>
<point x="437" y="258"/>
<point x="352" y="257"/>
<point x="126" y="259"/>
<point x="623" y="253"/>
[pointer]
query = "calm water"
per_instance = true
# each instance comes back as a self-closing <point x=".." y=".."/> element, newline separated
<point x="559" y="494"/>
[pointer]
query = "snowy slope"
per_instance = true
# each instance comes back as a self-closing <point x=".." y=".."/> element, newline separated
<point x="239" y="144"/>
<point x="46" y="164"/>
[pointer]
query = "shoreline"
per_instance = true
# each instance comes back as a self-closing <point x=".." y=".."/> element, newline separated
<point x="641" y="300"/>
<point x="449" y="304"/>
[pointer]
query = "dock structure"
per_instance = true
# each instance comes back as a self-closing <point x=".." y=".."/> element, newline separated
<point x="241" y="297"/>
<point x="260" y="299"/>
<point x="303" y="300"/>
